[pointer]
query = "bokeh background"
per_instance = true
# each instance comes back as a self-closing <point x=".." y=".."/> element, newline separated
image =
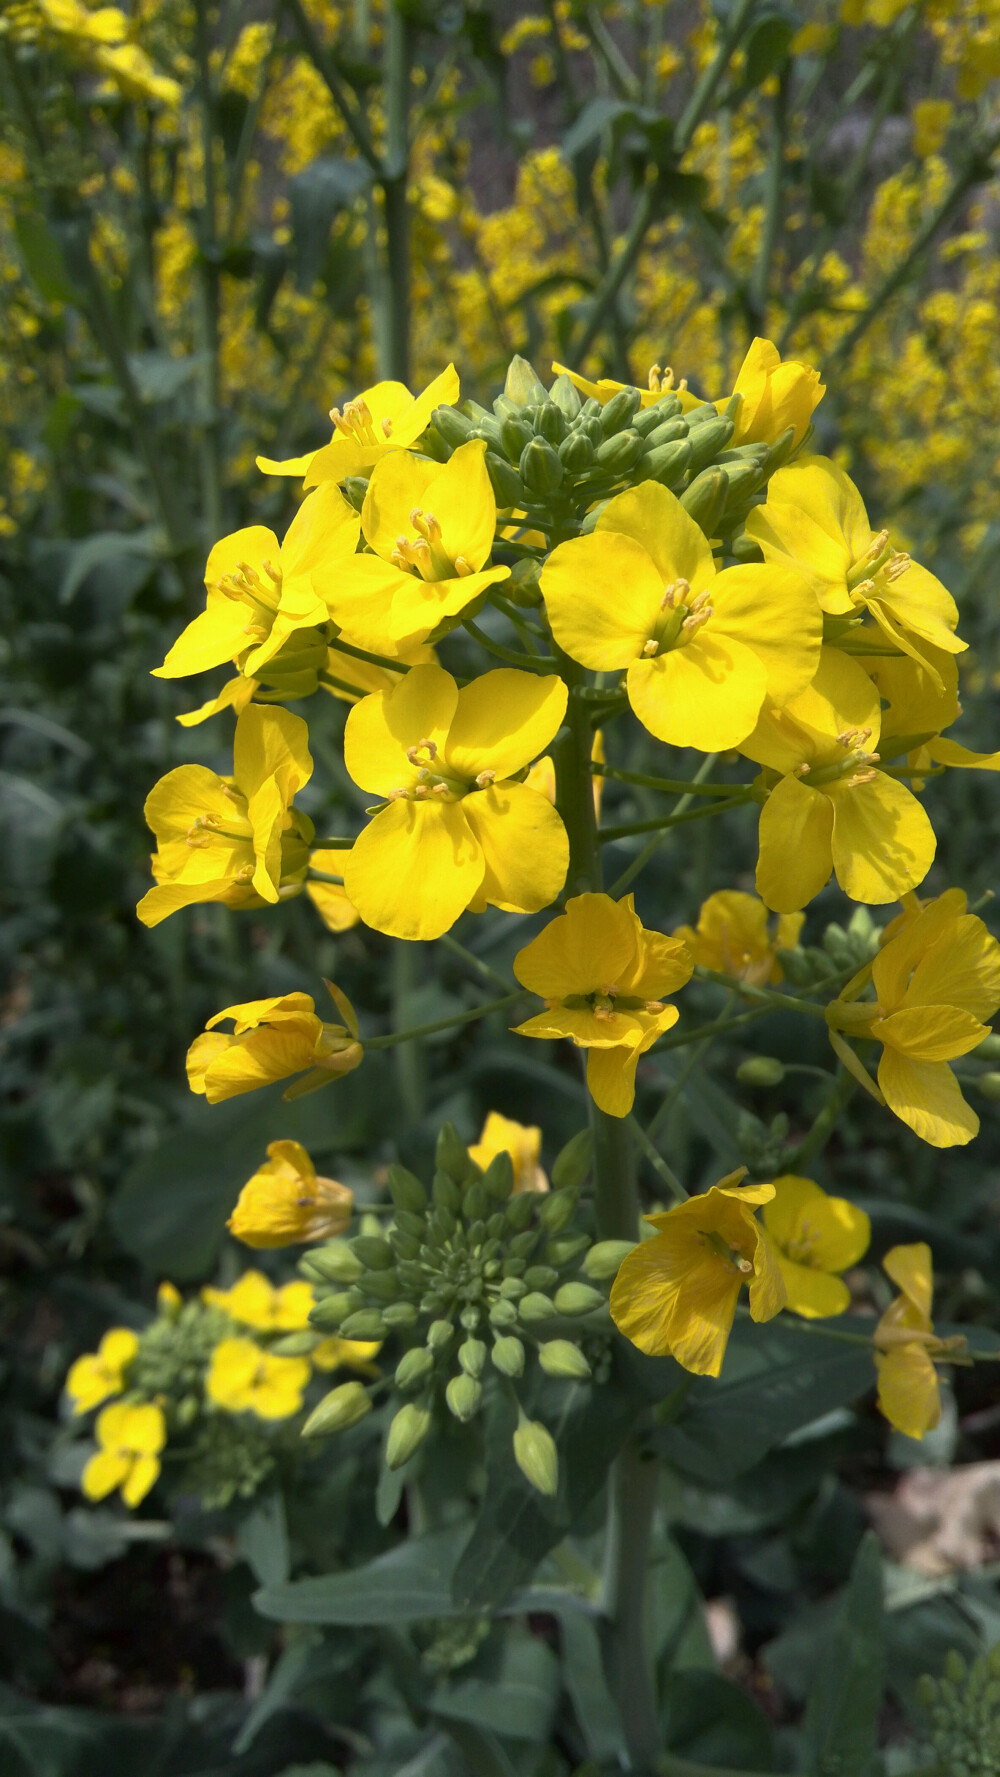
<point x="215" y="222"/>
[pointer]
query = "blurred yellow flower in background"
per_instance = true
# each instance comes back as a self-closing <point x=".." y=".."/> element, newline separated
<point x="244" y="1379"/>
<point x="523" y="1142"/>
<point x="95" y="1375"/>
<point x="130" y="1439"/>
<point x="285" y="1202"/>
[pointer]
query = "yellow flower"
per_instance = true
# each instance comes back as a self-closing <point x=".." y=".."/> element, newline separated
<point x="930" y="119"/>
<point x="830" y="808"/>
<point x="236" y="840"/>
<point x="430" y="527"/>
<point x="677" y="1293"/>
<point x="379" y="420"/>
<point x="909" y="1394"/>
<point x="776" y="394"/>
<point x="271" y="1040"/>
<point x="135" y="75"/>
<point x="703" y="649"/>
<point x="602" y="976"/>
<point x="100" y="1373"/>
<point x="660" y="383"/>
<point x="732" y="937"/>
<point x="456" y="832"/>
<point x="814" y="521"/>
<point x="130" y="1440"/>
<point x="331" y="899"/>
<point x="269" y="1308"/>
<point x="102" y="36"/>
<point x="937" y="981"/>
<point x="815" y="1237"/>
<point x="244" y="1379"/>
<point x="261" y="591"/>
<point x="347" y="1354"/>
<point x="921" y="701"/>
<point x="523" y="1142"/>
<point x="542" y="776"/>
<point x="359" y="678"/>
<point x="235" y="695"/>
<point x="286" y="1202"/>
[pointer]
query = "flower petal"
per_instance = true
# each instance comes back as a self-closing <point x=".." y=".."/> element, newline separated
<point x="961" y="968"/>
<point x="217" y="634"/>
<point x="811" y="1293"/>
<point x="775" y="613"/>
<point x="381" y="727"/>
<point x="930" y="1033"/>
<point x="415" y="868"/>
<point x="398" y="483"/>
<point x="142" y="1476"/>
<point x="586" y="949"/>
<point x="927" y="1097"/>
<point x="805" y="729"/>
<point x="524" y="845"/>
<point x="502" y="721"/>
<point x="883" y="842"/>
<point x="673" y="1295"/>
<point x="813" y="521"/>
<point x="912" y="1271"/>
<point x="796" y="827"/>
<point x="656" y="520"/>
<point x="707" y="695"/>
<point x="909" y="1393"/>
<point x="105" y="1471"/>
<point x="603" y="595"/>
<point x="324" y="530"/>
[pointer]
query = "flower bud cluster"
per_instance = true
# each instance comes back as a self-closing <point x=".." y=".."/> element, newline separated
<point x="963" y="1708"/>
<point x="842" y="950"/>
<point x="545" y="445"/>
<point x="478" y="1284"/>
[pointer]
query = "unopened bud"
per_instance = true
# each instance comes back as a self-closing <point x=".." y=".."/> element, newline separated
<point x="331" y="1311"/>
<point x="618" y="412"/>
<point x="541" y="469"/>
<point x="604" y="1260"/>
<point x="536" y="1456"/>
<point x="989" y="1086"/>
<point x="337" y="1262"/>
<point x="557" y="1209"/>
<point x="523" y="386"/>
<point x="534" y="1306"/>
<point x="541" y="1277"/>
<point x="364" y="1323"/>
<point x="558" y="1357"/>
<point x="453" y="1155"/>
<point x="406" y="1191"/>
<point x="577" y="1298"/>
<point x="439" y="1335"/>
<point x="375" y="1253"/>
<point x="342" y="1407"/>
<point x="295" y="1345"/>
<point x="621" y="453"/>
<point x="572" y="1164"/>
<point x="761" y="1070"/>
<point x="508" y="1355"/>
<point x="407" y="1431"/>
<point x="472" y="1357"/>
<point x="400" y="1314"/>
<point x="503" y="1313"/>
<point x="566" y="1247"/>
<point x="414" y="1367"/>
<point x="464" y="1397"/>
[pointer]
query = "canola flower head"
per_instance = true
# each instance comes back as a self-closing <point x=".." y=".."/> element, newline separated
<point x="523" y="1142"/>
<point x="816" y="1237"/>
<point x="380" y="420"/>
<point x="272" y="1040"/>
<point x="676" y="1293"/>
<point x="255" y="1302"/>
<point x="775" y="393"/>
<point x="130" y="1438"/>
<point x="906" y="1346"/>
<point x="457" y="830"/>
<point x="243" y="1378"/>
<point x="603" y="977"/>
<point x="286" y="1202"/>
<point x="733" y="936"/>
<point x="98" y="1374"/>
<point x="701" y="650"/>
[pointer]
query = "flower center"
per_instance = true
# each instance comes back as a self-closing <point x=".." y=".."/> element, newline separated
<point x="679" y="620"/>
<point x="261" y="591"/>
<point x="435" y="782"/>
<point x="355" y="421"/>
<point x="733" y="1260"/>
<point x="802" y="1245"/>
<point x="856" y="767"/>
<point x="424" y="553"/>
<point x="876" y="570"/>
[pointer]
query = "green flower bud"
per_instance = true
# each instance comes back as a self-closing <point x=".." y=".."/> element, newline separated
<point x="621" y="453"/>
<point x="989" y="1086"/>
<point x="453" y="426"/>
<point x="534" y="1306"/>
<point x="617" y="413"/>
<point x="472" y="1357"/>
<point x="780" y="451"/>
<point x="433" y="445"/>
<point x="445" y="1192"/>
<point x="495" y="1229"/>
<point x="498" y="1180"/>
<point x="523" y="586"/>
<point x="364" y="1323"/>
<point x="400" y="1314"/>
<point x="989" y="1050"/>
<point x="699" y="416"/>
<point x="294" y="1345"/>
<point x="604" y="1260"/>
<point x="565" y="1248"/>
<point x="577" y="1298"/>
<point x="464" y="1396"/>
<point x="649" y="419"/>
<point x="566" y="397"/>
<point x="522" y="385"/>
<point x="336" y="1261"/>
<point x="370" y="1227"/>
<point x="541" y="470"/>
<point x="407" y="1431"/>
<point x="541" y="1277"/>
<point x="514" y="435"/>
<point x="557" y="1209"/>
<point x="409" y="1222"/>
<point x="470" y="1317"/>
<point x="550" y="423"/>
<point x="383" y="1285"/>
<point x="518" y="1214"/>
<point x="667" y="464"/>
<point x="342" y="1407"/>
<point x="508" y="1355"/>
<point x="414" y="1367"/>
<point x="666" y="433"/>
<point x="503" y="1313"/>
<point x="704" y="499"/>
<point x="536" y="1456"/>
<point x="375" y="1253"/>
<point x="743" y="548"/>
<point x="706" y="442"/>
<point x="441" y="1225"/>
<point x="331" y="1311"/>
<point x="558" y="1357"/>
<point x="744" y="479"/>
<point x="576" y="453"/>
<point x="439" y="1335"/>
<point x="406" y="1190"/>
<point x="306" y="1268"/>
<point x="356" y="489"/>
<point x="572" y="1163"/>
<point x="504" y="480"/>
<point x="486" y="431"/>
<point x="513" y="1288"/>
<point x="761" y="1070"/>
<point x="475" y="1204"/>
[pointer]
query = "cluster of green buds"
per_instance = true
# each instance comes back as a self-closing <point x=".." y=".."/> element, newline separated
<point x="963" y="1708"/>
<point x="549" y="448"/>
<point x="476" y="1283"/>
<point x="842" y="950"/>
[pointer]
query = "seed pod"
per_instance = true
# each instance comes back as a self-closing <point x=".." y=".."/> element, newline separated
<point x="536" y="1457"/>
<point x="541" y="470"/>
<point x="619" y="454"/>
<point x="331" y="1311"/>
<point x="414" y="1367"/>
<point x="565" y="1248"/>
<point x="364" y="1323"/>
<point x="464" y="1396"/>
<point x="295" y="1345"/>
<point x="558" y="1357"/>
<point x="706" y="441"/>
<point x="557" y="1209"/>
<point x="667" y="464"/>
<point x="761" y="1070"/>
<point x="503" y="1312"/>
<point x="704" y="499"/>
<point x="577" y="1298"/>
<point x="407" y="1431"/>
<point x="534" y="1307"/>
<point x="604" y="1260"/>
<point x="439" y="1335"/>
<point x="383" y="1285"/>
<point x="649" y="418"/>
<point x="572" y="1163"/>
<point x="337" y="1262"/>
<point x="576" y="453"/>
<point x="522" y="385"/>
<point x="356" y="489"/>
<point x="508" y="1355"/>
<point x="504" y="480"/>
<point x="617" y="413"/>
<point x="541" y="1277"/>
<point x="522" y="587"/>
<point x="342" y="1407"/>
<point x="400" y="1314"/>
<point x="666" y="433"/>
<point x="375" y="1253"/>
<point x="472" y="1356"/>
<point x="453" y="426"/>
<point x="514" y="435"/>
<point x="406" y="1190"/>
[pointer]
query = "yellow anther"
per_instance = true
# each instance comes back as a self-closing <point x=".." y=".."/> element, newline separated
<point x="441" y="790"/>
<point x="650" y="648"/>
<point x="463" y="568"/>
<point x="861" y="777"/>
<point x="387" y="427"/>
<point x="652" y="1006"/>
<point x="485" y="779"/>
<point x="675" y="594"/>
<point x="874" y="549"/>
<point x="422" y="746"/>
<point x="802" y="770"/>
<point x="693" y="622"/>
<point x="897" y="566"/>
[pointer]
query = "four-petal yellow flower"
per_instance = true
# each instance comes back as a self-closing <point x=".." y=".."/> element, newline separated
<point x="244" y="1379"/>
<point x="287" y="1202"/>
<point x="269" y="1308"/>
<point x="130" y="1438"/>
<point x="732" y="937"/>
<point x="776" y="393"/>
<point x="272" y="1039"/>
<point x="98" y="1374"/>
<point x="379" y="420"/>
<point x="816" y="1237"/>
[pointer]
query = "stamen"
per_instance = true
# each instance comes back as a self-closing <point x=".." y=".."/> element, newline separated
<point x="861" y="777"/>
<point x="387" y="427"/>
<point x="802" y="770"/>
<point x="897" y="566"/>
<point x="652" y="1006"/>
<point x="650" y="648"/>
<point x="693" y="623"/>
<point x="654" y="381"/>
<point x="485" y="779"/>
<point x="463" y="568"/>
<point x="422" y="746"/>
<point x="604" y="1013"/>
<point x="441" y="790"/>
<point x="874" y="549"/>
<point x="675" y="594"/>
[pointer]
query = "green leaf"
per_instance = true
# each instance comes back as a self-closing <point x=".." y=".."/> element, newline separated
<point x="43" y="259"/>
<point x="712" y="1722"/>
<point x="842" y="1710"/>
<point x="102" y="547"/>
<point x="262" y="1539"/>
<point x="513" y="1689"/>
<point x="775" y="1380"/>
<point x="317" y="195"/>
<point x="583" y="1675"/>
<point x="411" y="1581"/>
<point x="766" y="49"/>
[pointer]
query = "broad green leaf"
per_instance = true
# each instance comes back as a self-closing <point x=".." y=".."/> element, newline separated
<point x="842" y="1709"/>
<point x="712" y="1722"/>
<point x="411" y="1581"/>
<point x="262" y="1539"/>
<point x="595" y="1709"/>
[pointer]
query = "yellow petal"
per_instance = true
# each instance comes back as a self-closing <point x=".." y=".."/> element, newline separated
<point x="398" y="484"/>
<point x="775" y="613"/>
<point x="286" y="466"/>
<point x="912" y="1271"/>
<point x="105" y="1471"/>
<point x="502" y="721"/>
<point x="768" y="1295"/>
<point x="962" y="969"/>
<point x="235" y="695"/>
<point x="883" y="842"/>
<point x="811" y="1293"/>
<point x="707" y="695"/>
<point x="265" y="1055"/>
<point x="253" y="545"/>
<point x="926" y="1096"/>
<point x="587" y="947"/>
<point x="415" y="868"/>
<point x="382" y="727"/>
<point x="217" y="634"/>
<point x="826" y="1233"/>
<point x="524" y="846"/>
<point x="271" y="743"/>
<point x="324" y="530"/>
<point x="420" y="606"/>
<point x="673" y="1295"/>
<point x="813" y="521"/>
<point x="333" y="905"/>
<point x="655" y="519"/>
<point x="603" y="595"/>
<point x="662" y="965"/>
<point x="805" y="729"/>
<point x="917" y="933"/>
<point x="917" y="602"/>
<point x="796" y="828"/>
<point x="908" y="1390"/>
<point x="141" y="1477"/>
<point x="930" y="1033"/>
<point x="611" y="1078"/>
